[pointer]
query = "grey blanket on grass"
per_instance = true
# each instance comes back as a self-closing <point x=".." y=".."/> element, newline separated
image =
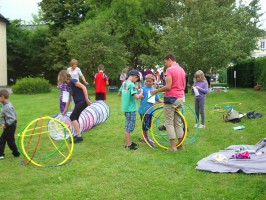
<point x="256" y="163"/>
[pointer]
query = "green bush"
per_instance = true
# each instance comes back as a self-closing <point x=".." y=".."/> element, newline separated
<point x="260" y="71"/>
<point x="31" y="85"/>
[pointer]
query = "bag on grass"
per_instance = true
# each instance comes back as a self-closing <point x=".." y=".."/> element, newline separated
<point x="232" y="116"/>
<point x="253" y="114"/>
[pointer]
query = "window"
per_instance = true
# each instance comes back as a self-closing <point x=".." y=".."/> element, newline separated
<point x="262" y="44"/>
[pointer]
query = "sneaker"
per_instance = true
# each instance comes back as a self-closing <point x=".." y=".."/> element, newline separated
<point x="202" y="126"/>
<point x="151" y="141"/>
<point x="131" y="147"/>
<point x="134" y="144"/>
<point x="172" y="149"/>
<point x="196" y="126"/>
<point x="16" y="155"/>
<point x="162" y="128"/>
<point x="78" y="139"/>
<point x="181" y="147"/>
<point x="1" y="157"/>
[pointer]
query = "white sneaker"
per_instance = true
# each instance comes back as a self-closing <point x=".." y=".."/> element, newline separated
<point x="202" y="126"/>
<point x="196" y="125"/>
<point x="1" y="157"/>
<point x="151" y="140"/>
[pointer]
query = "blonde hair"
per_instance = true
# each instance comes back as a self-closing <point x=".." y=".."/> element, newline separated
<point x="199" y="74"/>
<point x="150" y="76"/>
<point x="73" y="61"/>
<point x="62" y="77"/>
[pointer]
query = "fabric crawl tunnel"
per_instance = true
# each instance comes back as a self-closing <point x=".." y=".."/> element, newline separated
<point x="98" y="112"/>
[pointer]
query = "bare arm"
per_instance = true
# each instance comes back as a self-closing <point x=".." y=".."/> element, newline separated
<point x="84" y="80"/>
<point x="138" y="96"/>
<point x="84" y="89"/>
<point x="67" y="104"/>
<point x="167" y="87"/>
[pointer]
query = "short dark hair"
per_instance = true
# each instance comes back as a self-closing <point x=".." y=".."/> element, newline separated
<point x="170" y="56"/>
<point x="4" y="93"/>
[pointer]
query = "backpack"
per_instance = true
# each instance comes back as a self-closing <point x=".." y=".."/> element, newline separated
<point x="232" y="116"/>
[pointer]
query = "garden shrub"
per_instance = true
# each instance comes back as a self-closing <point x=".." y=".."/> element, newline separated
<point x="249" y="73"/>
<point x="260" y="71"/>
<point x="31" y="85"/>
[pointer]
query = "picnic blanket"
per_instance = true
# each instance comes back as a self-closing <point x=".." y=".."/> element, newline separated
<point x="222" y="161"/>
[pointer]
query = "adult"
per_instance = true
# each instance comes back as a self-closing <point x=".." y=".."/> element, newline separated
<point x="175" y="82"/>
<point x="75" y="71"/>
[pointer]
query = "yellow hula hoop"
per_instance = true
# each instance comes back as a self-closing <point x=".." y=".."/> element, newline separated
<point x="218" y="110"/>
<point x="22" y="135"/>
<point x="185" y="131"/>
<point x="142" y="122"/>
<point x="228" y="103"/>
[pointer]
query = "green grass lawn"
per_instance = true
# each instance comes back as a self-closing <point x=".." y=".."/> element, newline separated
<point x="103" y="169"/>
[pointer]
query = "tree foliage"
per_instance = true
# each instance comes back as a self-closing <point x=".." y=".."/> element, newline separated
<point x="93" y="43"/>
<point x="203" y="34"/>
<point x="209" y="33"/>
<point x="60" y="13"/>
<point x="25" y="51"/>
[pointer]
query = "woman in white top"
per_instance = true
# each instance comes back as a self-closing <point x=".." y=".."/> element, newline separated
<point x="75" y="72"/>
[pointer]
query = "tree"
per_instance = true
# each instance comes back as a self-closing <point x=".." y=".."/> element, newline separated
<point x="25" y="55"/>
<point x="93" y="43"/>
<point x="60" y="13"/>
<point x="209" y="33"/>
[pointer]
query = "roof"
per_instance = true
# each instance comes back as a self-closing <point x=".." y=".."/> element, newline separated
<point x="3" y="19"/>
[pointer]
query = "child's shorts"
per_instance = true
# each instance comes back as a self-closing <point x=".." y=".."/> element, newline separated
<point x="130" y="121"/>
<point x="146" y="122"/>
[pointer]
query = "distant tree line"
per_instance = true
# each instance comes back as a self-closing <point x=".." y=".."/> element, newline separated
<point x="202" y="34"/>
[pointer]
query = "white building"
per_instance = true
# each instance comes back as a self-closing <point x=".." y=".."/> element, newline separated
<point x="3" y="52"/>
<point x="261" y="51"/>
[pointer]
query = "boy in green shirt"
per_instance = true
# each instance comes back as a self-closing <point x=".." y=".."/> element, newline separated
<point x="129" y="106"/>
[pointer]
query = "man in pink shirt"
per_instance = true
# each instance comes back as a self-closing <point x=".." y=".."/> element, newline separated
<point x="175" y="79"/>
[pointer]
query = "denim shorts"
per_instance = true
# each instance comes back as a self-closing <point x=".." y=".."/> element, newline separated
<point x="130" y="121"/>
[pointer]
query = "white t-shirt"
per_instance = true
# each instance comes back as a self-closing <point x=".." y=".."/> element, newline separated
<point x="123" y="76"/>
<point x="75" y="74"/>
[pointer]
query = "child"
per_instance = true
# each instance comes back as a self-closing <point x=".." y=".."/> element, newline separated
<point x="200" y="88"/>
<point x="145" y="104"/>
<point x="62" y="85"/>
<point x="9" y="124"/>
<point x="100" y="81"/>
<point x="129" y="107"/>
<point x="81" y="100"/>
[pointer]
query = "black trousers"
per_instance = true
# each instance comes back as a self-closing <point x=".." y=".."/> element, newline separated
<point x="8" y="136"/>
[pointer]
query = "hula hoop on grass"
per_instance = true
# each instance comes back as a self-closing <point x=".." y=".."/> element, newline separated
<point x="224" y="107"/>
<point x="190" y="137"/>
<point x="158" y="113"/>
<point x="40" y="156"/>
<point x="161" y="139"/>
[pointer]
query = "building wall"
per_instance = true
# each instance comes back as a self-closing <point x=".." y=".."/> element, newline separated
<point x="261" y="48"/>
<point x="3" y="55"/>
